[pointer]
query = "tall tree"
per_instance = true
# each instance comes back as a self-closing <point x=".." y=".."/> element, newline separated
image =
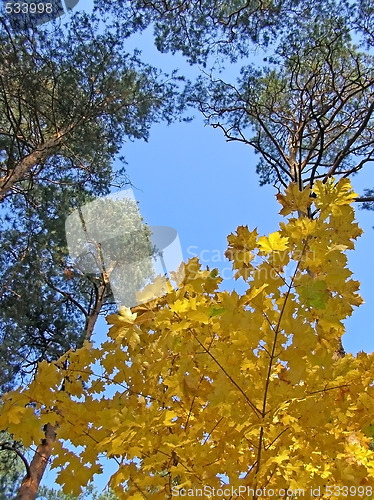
<point x="307" y="107"/>
<point x="308" y="113"/>
<point x="69" y="96"/>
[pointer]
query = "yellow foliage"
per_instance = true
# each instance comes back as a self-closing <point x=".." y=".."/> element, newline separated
<point x="201" y="383"/>
<point x="294" y="200"/>
<point x="275" y="242"/>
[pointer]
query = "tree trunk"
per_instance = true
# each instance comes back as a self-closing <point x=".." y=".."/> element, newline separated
<point x="39" y="155"/>
<point x="30" y="484"/>
<point x="94" y="313"/>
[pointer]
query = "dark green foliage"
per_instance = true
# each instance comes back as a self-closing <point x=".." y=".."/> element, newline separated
<point x="204" y="29"/>
<point x="89" y="493"/>
<point x="108" y="236"/>
<point x="68" y="99"/>
<point x="36" y="321"/>
<point x="308" y="112"/>
<point x="369" y="204"/>
<point x="12" y="468"/>
<point x="306" y="108"/>
<point x="364" y="20"/>
<point x="46" y="300"/>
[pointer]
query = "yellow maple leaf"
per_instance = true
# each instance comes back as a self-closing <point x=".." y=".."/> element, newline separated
<point x="281" y="457"/>
<point x="124" y="317"/>
<point x="244" y="238"/>
<point x="253" y="292"/>
<point x="294" y="200"/>
<point x="169" y="417"/>
<point x="275" y="242"/>
<point x="333" y="196"/>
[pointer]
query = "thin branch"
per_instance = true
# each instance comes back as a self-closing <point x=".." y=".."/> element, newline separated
<point x="252" y="405"/>
<point x="342" y="154"/>
<point x="267" y="383"/>
<point x="67" y="295"/>
<point x="8" y="446"/>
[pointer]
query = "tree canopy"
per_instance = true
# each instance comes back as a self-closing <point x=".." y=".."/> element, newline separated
<point x="69" y="97"/>
<point x="204" y="30"/>
<point x="304" y="105"/>
<point x="308" y="113"/>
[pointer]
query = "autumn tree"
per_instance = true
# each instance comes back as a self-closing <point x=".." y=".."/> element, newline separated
<point x="212" y="388"/>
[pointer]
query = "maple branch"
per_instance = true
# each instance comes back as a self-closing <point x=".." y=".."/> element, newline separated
<point x="210" y="433"/>
<point x="278" y="329"/>
<point x="137" y="487"/>
<point x="271" y="475"/>
<point x="125" y="387"/>
<point x="272" y="357"/>
<point x="326" y="389"/>
<point x="252" y="405"/>
<point x="191" y="406"/>
<point x="275" y="439"/>
<point x="201" y="379"/>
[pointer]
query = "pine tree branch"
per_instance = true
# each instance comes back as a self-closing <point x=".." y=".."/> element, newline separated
<point x="363" y="199"/>
<point x="10" y="447"/>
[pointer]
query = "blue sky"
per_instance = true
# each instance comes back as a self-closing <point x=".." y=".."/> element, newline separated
<point x="187" y="177"/>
